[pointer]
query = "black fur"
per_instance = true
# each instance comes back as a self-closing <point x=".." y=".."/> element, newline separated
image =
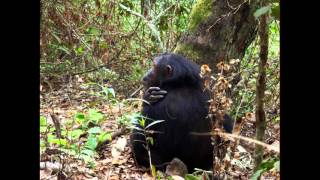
<point x="184" y="109"/>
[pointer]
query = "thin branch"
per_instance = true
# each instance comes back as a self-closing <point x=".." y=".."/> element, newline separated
<point x="233" y="11"/>
<point x="101" y="66"/>
<point x="136" y="91"/>
<point x="150" y="24"/>
<point x="230" y="6"/>
<point x="56" y="123"/>
<point x="230" y="136"/>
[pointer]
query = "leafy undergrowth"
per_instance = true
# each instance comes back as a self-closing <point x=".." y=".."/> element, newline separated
<point x="84" y="134"/>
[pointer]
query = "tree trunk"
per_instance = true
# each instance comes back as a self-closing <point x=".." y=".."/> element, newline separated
<point x="218" y="30"/>
<point x="261" y="86"/>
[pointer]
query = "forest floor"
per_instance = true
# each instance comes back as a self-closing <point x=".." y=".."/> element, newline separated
<point x="114" y="160"/>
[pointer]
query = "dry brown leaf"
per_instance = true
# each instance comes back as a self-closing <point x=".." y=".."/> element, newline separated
<point x="146" y="176"/>
<point x="234" y="61"/>
<point x="226" y="67"/>
<point x="204" y="70"/>
<point x="45" y="174"/>
<point x="114" y="177"/>
<point x="236" y="155"/>
<point x="250" y="116"/>
<point x="115" y="153"/>
<point x="105" y="57"/>
<point x="220" y="65"/>
<point x="116" y="150"/>
<point x="121" y="143"/>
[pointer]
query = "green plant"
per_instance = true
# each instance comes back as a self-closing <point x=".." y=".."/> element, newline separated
<point x="43" y="124"/>
<point x="128" y="119"/>
<point x="68" y="143"/>
<point x="266" y="165"/>
<point x="140" y="127"/>
<point x="93" y="117"/>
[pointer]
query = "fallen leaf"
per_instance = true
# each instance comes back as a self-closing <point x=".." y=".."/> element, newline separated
<point x="114" y="177"/>
<point x="116" y="150"/>
<point x="234" y="61"/>
<point x="121" y="144"/>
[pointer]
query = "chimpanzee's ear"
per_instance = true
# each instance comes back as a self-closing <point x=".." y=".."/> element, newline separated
<point x="169" y="70"/>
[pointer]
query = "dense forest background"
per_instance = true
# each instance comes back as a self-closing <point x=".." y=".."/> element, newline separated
<point x="95" y="52"/>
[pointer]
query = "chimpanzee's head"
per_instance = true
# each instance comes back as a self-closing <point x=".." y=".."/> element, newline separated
<point x="171" y="68"/>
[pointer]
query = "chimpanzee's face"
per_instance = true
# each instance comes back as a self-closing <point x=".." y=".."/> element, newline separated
<point x="159" y="72"/>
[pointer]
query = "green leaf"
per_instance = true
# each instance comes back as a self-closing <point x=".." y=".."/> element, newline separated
<point x="264" y="166"/>
<point x="75" y="134"/>
<point x="262" y="11"/>
<point x="142" y="122"/>
<point x="104" y="136"/>
<point x="94" y="130"/>
<point x="153" y="123"/>
<point x="80" y="117"/>
<point x="63" y="132"/>
<point x="134" y="117"/>
<point x="42" y="143"/>
<point x="268" y="164"/>
<point x="129" y="119"/>
<point x="64" y="49"/>
<point x="191" y="177"/>
<point x="79" y="50"/>
<point x="91" y="164"/>
<point x="153" y="170"/>
<point x="91" y="142"/>
<point x="43" y="129"/>
<point x="95" y="115"/>
<point x="94" y="31"/>
<point x="61" y="142"/>
<point x="85" y="157"/>
<point x="87" y="152"/>
<point x="275" y="12"/>
<point x="111" y="91"/>
<point x="150" y="140"/>
<point x="50" y="136"/>
<point x="43" y="121"/>
<point x="276" y="166"/>
<point x="257" y="174"/>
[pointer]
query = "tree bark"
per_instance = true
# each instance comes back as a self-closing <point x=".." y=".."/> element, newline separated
<point x="218" y="30"/>
<point x="261" y="86"/>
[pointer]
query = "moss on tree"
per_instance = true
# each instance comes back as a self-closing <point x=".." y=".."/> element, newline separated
<point x="200" y="12"/>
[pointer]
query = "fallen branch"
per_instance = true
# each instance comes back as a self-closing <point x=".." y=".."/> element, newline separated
<point x="119" y="132"/>
<point x="230" y="136"/>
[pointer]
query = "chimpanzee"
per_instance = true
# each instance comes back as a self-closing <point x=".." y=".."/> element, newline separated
<point x="176" y="95"/>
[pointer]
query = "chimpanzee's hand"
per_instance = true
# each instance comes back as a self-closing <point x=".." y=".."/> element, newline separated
<point x="154" y="94"/>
